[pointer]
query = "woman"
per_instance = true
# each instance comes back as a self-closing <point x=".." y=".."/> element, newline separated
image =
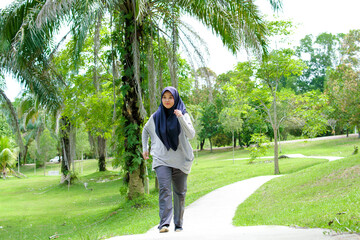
<point x="170" y="128"/>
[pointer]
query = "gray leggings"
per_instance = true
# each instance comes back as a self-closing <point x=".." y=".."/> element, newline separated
<point x="167" y="176"/>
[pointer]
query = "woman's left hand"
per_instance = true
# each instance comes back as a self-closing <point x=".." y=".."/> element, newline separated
<point x="178" y="113"/>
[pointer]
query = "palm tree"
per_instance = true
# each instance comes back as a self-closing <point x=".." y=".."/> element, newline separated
<point x="13" y="120"/>
<point x="33" y="120"/>
<point x="7" y="157"/>
<point x="24" y="52"/>
<point x="237" y="23"/>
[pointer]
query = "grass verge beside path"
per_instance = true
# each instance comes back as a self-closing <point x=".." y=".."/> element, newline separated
<point x="209" y="175"/>
<point x="333" y="147"/>
<point x="323" y="196"/>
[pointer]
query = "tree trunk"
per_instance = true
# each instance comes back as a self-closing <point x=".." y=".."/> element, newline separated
<point x="45" y="167"/>
<point x="131" y="114"/>
<point x="101" y="152"/>
<point x="66" y="150"/>
<point x="275" y="128"/>
<point x="210" y="144"/>
<point x="115" y="72"/>
<point x="25" y="153"/>
<point x="136" y="186"/>
<point x="234" y="140"/>
<point x="276" y="154"/>
<point x="73" y="145"/>
<point x="96" y="51"/>
<point x="93" y="145"/>
<point x="202" y="144"/>
<point x="279" y="141"/>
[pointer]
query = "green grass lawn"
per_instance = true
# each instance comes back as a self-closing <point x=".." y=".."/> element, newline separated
<point x="326" y="195"/>
<point x="339" y="147"/>
<point x="39" y="207"/>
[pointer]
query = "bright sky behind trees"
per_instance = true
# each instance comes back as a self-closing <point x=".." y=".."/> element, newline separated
<point x="310" y="16"/>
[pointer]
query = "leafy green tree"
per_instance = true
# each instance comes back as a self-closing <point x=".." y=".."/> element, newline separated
<point x="253" y="123"/>
<point x="195" y="113"/>
<point x="32" y="118"/>
<point x="5" y="129"/>
<point x="46" y="148"/>
<point x="238" y="86"/>
<point x="319" y="54"/>
<point x="209" y="122"/>
<point x="343" y="89"/>
<point x="82" y="142"/>
<point x="207" y="76"/>
<point x="32" y="150"/>
<point x="343" y="86"/>
<point x="88" y="99"/>
<point x="231" y="119"/>
<point x="313" y="112"/>
<point x="280" y="63"/>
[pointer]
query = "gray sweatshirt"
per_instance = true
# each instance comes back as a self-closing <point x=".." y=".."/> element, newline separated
<point x="181" y="158"/>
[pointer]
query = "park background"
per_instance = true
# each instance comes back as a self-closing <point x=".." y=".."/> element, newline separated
<point x="82" y="106"/>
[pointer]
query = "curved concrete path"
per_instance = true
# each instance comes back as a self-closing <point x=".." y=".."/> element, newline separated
<point x="210" y="218"/>
<point x="291" y="156"/>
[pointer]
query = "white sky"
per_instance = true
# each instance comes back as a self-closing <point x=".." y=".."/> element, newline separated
<point x="311" y="16"/>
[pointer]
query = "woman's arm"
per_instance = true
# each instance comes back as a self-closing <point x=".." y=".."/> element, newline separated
<point x="145" y="141"/>
<point x="186" y="125"/>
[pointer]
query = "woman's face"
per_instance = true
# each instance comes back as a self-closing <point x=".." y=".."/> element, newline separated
<point x="168" y="100"/>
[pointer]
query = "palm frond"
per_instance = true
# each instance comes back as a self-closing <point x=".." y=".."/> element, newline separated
<point x="195" y="47"/>
<point x="141" y="9"/>
<point x="4" y="142"/>
<point x="83" y="17"/>
<point x="7" y="158"/>
<point x="25" y="48"/>
<point x="276" y="4"/>
<point x="53" y="11"/>
<point x="238" y="23"/>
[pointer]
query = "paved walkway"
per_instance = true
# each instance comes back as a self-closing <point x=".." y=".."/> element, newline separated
<point x="292" y="156"/>
<point x="210" y="218"/>
<point x="321" y="138"/>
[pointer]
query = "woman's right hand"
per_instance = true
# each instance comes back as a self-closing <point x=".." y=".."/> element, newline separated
<point x="145" y="155"/>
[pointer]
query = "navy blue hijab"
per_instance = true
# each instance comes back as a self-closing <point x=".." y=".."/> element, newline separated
<point x="167" y="126"/>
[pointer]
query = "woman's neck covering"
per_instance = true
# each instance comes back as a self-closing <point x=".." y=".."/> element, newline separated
<point x="167" y="126"/>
